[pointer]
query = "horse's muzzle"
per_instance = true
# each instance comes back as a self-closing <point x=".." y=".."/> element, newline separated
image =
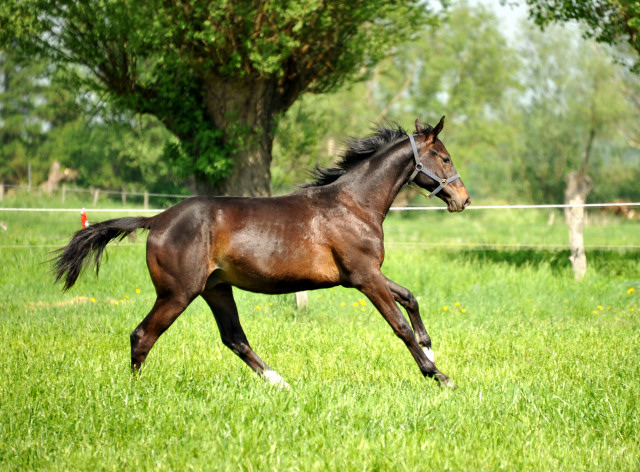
<point x="455" y="206"/>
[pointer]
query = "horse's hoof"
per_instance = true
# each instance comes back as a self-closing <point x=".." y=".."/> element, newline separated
<point x="446" y="382"/>
<point x="449" y="384"/>
<point x="273" y="378"/>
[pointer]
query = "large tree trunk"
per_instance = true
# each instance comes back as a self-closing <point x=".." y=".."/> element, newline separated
<point x="250" y="176"/>
<point x="245" y="111"/>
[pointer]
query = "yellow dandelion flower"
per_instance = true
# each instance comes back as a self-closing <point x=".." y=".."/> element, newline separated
<point x="633" y="309"/>
<point x="362" y="309"/>
<point x="631" y="290"/>
<point x="319" y="296"/>
<point x="355" y="303"/>
<point x="93" y="300"/>
<point x="127" y="297"/>
<point x="595" y="312"/>
<point x="137" y="290"/>
<point x="115" y="303"/>
<point x="445" y="308"/>
<point x="121" y="301"/>
<point x="362" y="302"/>
<point x="343" y="304"/>
<point x="258" y="307"/>
<point x="457" y="303"/>
<point x="463" y="310"/>
<point x="270" y="303"/>
<point x="600" y="307"/>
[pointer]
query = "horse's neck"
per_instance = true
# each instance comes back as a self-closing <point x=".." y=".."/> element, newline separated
<point x="376" y="183"/>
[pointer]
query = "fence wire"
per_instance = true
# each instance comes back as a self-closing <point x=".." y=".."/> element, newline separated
<point x="389" y="243"/>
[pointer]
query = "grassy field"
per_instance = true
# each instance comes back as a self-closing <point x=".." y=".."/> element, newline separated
<point x="548" y="368"/>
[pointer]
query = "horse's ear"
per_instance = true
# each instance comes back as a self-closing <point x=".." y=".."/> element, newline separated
<point x="419" y="127"/>
<point x="436" y="131"/>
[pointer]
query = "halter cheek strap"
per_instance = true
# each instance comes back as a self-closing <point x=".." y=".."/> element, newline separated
<point x="420" y="168"/>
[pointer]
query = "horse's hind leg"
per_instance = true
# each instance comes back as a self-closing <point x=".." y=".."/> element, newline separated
<point x="220" y="300"/>
<point x="164" y="312"/>
<point x="405" y="298"/>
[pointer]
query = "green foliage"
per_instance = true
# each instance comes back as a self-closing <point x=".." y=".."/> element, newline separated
<point x="42" y="122"/>
<point x="440" y="72"/>
<point x="27" y="109"/>
<point x="519" y="110"/>
<point x="519" y="113"/>
<point x="574" y="90"/>
<point x="176" y="60"/>
<point x="206" y="155"/>
<point x="614" y="22"/>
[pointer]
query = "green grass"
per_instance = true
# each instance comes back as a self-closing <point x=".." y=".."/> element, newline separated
<point x="548" y="368"/>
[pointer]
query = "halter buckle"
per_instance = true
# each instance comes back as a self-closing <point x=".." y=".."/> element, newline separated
<point x="444" y="182"/>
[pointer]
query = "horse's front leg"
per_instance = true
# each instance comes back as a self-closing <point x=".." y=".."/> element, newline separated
<point x="378" y="292"/>
<point x="405" y="298"/>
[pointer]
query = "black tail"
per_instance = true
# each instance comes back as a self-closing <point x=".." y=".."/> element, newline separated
<point x="73" y="258"/>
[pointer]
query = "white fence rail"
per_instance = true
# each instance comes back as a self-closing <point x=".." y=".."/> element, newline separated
<point x="404" y="208"/>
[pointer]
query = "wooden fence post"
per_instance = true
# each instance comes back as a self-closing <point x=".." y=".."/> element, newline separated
<point x="64" y="193"/>
<point x="578" y="187"/>
<point x="302" y="299"/>
<point x="146" y="200"/>
<point x="96" y="196"/>
<point x="124" y="196"/>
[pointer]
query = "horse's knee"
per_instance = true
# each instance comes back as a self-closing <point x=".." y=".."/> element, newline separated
<point x="412" y="303"/>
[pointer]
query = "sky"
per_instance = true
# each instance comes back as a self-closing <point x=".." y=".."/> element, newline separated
<point x="509" y="15"/>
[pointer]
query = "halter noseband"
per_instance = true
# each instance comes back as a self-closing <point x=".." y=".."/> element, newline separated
<point x="420" y="168"/>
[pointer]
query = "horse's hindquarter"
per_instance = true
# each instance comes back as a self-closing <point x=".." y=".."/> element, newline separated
<point x="273" y="245"/>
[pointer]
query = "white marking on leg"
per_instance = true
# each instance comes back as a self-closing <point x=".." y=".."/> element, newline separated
<point x="429" y="352"/>
<point x="274" y="379"/>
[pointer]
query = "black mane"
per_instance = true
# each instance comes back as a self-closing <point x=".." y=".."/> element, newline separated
<point x="356" y="151"/>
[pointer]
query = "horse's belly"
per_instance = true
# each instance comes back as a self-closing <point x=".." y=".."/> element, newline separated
<point x="281" y="270"/>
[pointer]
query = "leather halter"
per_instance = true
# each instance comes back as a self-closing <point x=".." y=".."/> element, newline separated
<point x="420" y="168"/>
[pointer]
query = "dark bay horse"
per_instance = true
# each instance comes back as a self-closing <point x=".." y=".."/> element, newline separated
<point x="327" y="233"/>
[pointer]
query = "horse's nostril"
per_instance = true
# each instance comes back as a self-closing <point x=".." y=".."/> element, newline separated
<point x="467" y="202"/>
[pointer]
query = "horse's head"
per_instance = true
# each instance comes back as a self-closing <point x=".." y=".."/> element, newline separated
<point x="434" y="170"/>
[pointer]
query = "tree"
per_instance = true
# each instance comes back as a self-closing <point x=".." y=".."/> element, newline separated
<point x="609" y="21"/>
<point x="463" y="68"/>
<point x="216" y="73"/>
<point x="41" y="121"/>
<point x="570" y="111"/>
<point x="29" y="108"/>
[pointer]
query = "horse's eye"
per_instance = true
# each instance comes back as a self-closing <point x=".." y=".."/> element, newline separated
<point x="446" y="160"/>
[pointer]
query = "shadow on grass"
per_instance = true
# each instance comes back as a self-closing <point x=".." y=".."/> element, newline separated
<point x="613" y="263"/>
